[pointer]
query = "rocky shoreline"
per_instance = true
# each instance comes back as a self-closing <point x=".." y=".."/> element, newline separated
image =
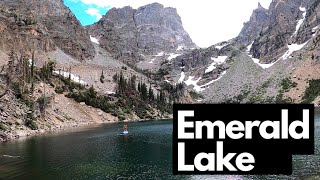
<point x="11" y="136"/>
<point x="19" y="134"/>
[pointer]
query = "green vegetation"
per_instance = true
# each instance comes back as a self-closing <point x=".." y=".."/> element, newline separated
<point x="288" y="84"/>
<point x="195" y="95"/>
<point x="3" y="127"/>
<point x="312" y="91"/>
<point x="132" y="97"/>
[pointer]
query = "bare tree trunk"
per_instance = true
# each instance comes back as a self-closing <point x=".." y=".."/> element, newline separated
<point x="32" y="72"/>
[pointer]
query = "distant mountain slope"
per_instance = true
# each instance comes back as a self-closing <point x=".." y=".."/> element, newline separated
<point x="46" y="24"/>
<point x="266" y="62"/>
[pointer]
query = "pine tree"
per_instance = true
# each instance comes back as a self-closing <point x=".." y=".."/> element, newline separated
<point x="139" y="87"/>
<point x="144" y="91"/>
<point x="102" y="77"/>
<point x="151" y="94"/>
<point x="133" y="82"/>
<point x="32" y="72"/>
<point x="115" y="78"/>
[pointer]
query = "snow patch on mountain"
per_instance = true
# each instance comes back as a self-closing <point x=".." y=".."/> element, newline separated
<point x="300" y="21"/>
<point x="152" y="61"/>
<point x="293" y="48"/>
<point x="172" y="56"/>
<point x="94" y="40"/>
<point x="180" y="48"/>
<point x="314" y="31"/>
<point x="216" y="61"/>
<point x="182" y="76"/>
<point x="209" y="83"/>
<point x="249" y="47"/>
<point x="159" y="54"/>
<point x="221" y="46"/>
<point x="190" y="81"/>
<point x="263" y="66"/>
<point x="257" y="61"/>
<point x="194" y="82"/>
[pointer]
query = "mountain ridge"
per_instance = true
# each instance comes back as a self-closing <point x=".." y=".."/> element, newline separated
<point x="147" y="30"/>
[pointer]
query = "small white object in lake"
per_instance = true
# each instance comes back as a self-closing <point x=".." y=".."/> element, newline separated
<point x="8" y="156"/>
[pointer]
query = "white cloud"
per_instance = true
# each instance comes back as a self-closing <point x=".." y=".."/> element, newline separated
<point x="207" y="21"/>
<point x="94" y="12"/>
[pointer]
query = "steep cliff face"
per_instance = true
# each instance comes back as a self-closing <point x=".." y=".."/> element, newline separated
<point x="44" y="24"/>
<point x="254" y="26"/>
<point x="279" y="29"/>
<point x="147" y="30"/>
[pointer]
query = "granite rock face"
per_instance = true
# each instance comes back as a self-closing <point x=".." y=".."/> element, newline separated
<point x="271" y="30"/>
<point x="254" y="26"/>
<point x="128" y="32"/>
<point x="45" y="24"/>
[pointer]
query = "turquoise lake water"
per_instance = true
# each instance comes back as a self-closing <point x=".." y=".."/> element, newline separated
<point x="99" y="153"/>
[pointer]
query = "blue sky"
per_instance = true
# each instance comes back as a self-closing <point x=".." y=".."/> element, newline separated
<point x="207" y="21"/>
<point x="86" y="13"/>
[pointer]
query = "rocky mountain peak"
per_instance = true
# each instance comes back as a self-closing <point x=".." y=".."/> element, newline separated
<point x="260" y="6"/>
<point x="150" y="29"/>
<point x="254" y="26"/>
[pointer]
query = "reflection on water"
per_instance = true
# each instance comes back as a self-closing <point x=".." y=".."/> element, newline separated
<point x="99" y="153"/>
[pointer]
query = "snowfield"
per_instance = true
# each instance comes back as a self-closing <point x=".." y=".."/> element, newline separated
<point x="293" y="48"/>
